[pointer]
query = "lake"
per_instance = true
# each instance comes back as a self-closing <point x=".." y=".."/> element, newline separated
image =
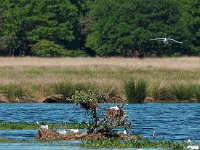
<point x="175" y="122"/>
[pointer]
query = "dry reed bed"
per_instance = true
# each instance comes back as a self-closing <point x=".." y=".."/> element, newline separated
<point x="184" y="63"/>
<point x="37" y="76"/>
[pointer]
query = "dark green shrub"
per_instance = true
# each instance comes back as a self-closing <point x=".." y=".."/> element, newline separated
<point x="135" y="91"/>
<point x="76" y="53"/>
<point x="45" y="48"/>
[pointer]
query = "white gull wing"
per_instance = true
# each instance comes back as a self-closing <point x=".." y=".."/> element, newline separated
<point x="174" y="41"/>
<point x="158" y="39"/>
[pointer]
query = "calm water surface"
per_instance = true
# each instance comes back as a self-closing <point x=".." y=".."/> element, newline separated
<point x="175" y="122"/>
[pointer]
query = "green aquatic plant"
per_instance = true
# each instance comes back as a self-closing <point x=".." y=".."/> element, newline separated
<point x="116" y="143"/>
<point x="27" y="125"/>
<point x="6" y="140"/>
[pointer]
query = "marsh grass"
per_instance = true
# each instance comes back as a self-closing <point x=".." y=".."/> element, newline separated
<point x="38" y="78"/>
<point x="183" y="92"/>
<point x="66" y="89"/>
<point x="135" y="90"/>
<point x="197" y="92"/>
<point x="12" y="92"/>
<point x="162" y="92"/>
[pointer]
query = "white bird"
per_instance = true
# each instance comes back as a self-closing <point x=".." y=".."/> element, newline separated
<point x="154" y="134"/>
<point x="124" y="132"/>
<point x="43" y="126"/>
<point x="62" y="132"/>
<point x="193" y="147"/>
<point x="166" y="40"/>
<point x="188" y="141"/>
<point x="114" y="108"/>
<point x="74" y="130"/>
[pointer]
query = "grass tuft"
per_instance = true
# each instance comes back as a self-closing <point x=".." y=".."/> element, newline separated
<point x="12" y="92"/>
<point x="162" y="92"/>
<point x="197" y="92"/>
<point x="135" y="90"/>
<point x="182" y="92"/>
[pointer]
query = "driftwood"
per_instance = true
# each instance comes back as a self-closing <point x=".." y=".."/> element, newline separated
<point x="52" y="135"/>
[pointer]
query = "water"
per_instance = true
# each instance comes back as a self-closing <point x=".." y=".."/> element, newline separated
<point x="175" y="122"/>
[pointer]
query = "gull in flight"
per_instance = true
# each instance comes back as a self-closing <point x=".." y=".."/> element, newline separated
<point x="166" y="41"/>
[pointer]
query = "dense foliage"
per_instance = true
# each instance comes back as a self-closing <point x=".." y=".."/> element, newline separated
<point x="101" y="27"/>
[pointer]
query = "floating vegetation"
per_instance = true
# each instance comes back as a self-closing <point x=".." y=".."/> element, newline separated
<point x="25" y="125"/>
<point x="116" y="143"/>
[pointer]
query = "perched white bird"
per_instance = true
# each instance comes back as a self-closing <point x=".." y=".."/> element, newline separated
<point x="154" y="134"/>
<point x="193" y="147"/>
<point x="167" y="40"/>
<point x="43" y="126"/>
<point x="62" y="132"/>
<point x="114" y="108"/>
<point x="188" y="141"/>
<point x="74" y="130"/>
<point x="124" y="132"/>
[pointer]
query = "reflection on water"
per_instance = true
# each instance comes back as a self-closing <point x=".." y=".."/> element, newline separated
<point x="169" y="121"/>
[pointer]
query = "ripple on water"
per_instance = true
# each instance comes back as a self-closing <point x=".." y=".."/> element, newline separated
<point x="170" y="121"/>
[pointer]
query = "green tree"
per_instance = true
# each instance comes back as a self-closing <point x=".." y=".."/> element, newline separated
<point x="31" y="21"/>
<point x="195" y="27"/>
<point x="125" y="28"/>
<point x="83" y="7"/>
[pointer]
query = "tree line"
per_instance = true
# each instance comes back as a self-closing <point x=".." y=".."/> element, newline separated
<point x="98" y="27"/>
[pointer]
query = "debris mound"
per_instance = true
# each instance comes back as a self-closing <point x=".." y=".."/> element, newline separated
<point x="52" y="135"/>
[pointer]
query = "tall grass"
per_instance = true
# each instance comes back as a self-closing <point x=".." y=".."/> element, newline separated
<point x="135" y="90"/>
<point x="183" y="92"/>
<point x="162" y="92"/>
<point x="67" y="89"/>
<point x="41" y="77"/>
<point x="197" y="92"/>
<point x="12" y="92"/>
